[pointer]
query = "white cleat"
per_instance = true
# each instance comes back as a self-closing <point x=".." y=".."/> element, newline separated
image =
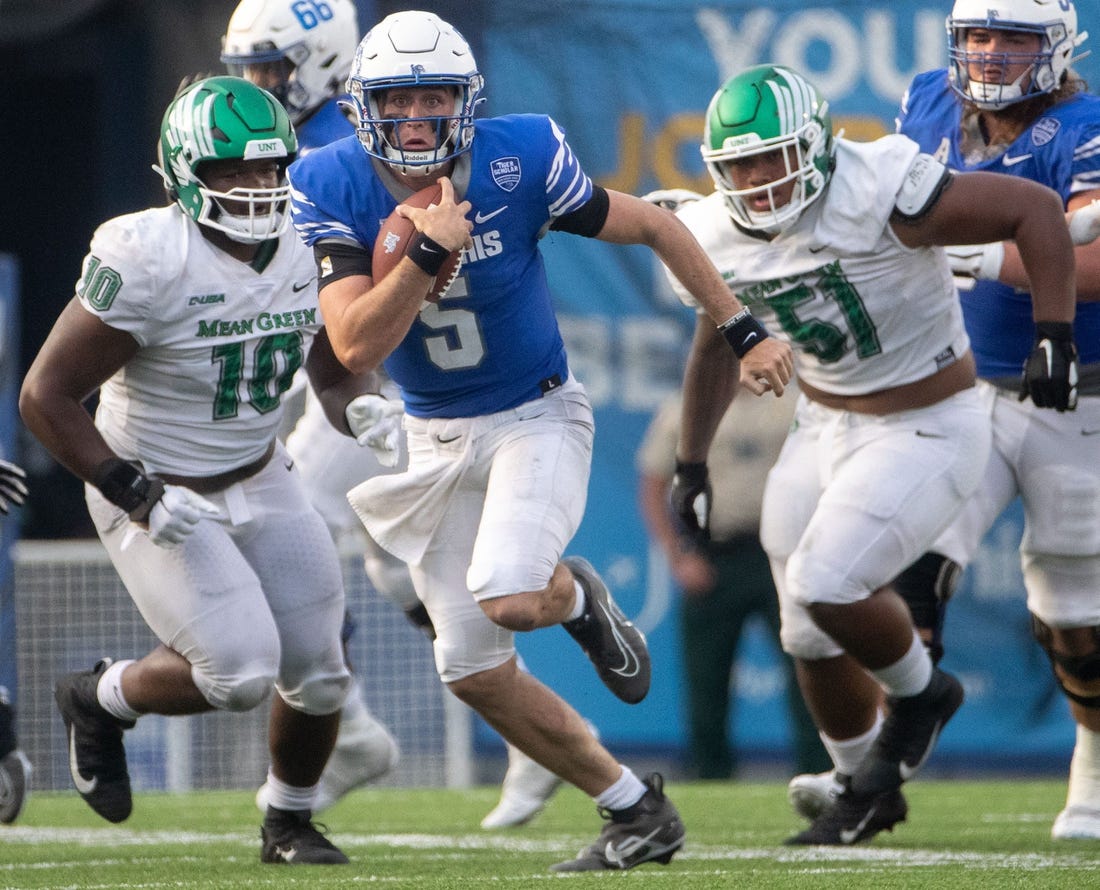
<point x="812" y="793"/>
<point x="1077" y="823"/>
<point x="525" y="791"/>
<point x="364" y="751"/>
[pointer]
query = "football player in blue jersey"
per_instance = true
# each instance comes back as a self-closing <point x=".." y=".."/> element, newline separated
<point x="302" y="54"/>
<point x="499" y="432"/>
<point x="1009" y="102"/>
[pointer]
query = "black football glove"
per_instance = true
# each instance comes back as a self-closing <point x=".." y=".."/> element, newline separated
<point x="690" y="495"/>
<point x="13" y="486"/>
<point x="1050" y="372"/>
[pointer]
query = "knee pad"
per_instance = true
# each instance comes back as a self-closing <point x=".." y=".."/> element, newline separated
<point x="926" y="586"/>
<point x="1078" y="675"/>
<point x="470" y="646"/>
<point x="240" y="693"/>
<point x="319" y="694"/>
<point x="801" y="638"/>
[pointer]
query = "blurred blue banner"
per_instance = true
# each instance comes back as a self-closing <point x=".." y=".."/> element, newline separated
<point x="629" y="82"/>
<point x="9" y="525"/>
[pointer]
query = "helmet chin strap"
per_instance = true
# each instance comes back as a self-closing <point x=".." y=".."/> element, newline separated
<point x="994" y="96"/>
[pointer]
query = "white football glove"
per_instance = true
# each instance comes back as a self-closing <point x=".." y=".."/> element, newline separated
<point x="375" y="421"/>
<point x="976" y="262"/>
<point x="671" y="199"/>
<point x="176" y="514"/>
<point x="1084" y="224"/>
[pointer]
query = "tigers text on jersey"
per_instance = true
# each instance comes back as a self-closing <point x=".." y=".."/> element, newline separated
<point x="219" y="342"/>
<point x="862" y="311"/>
<point x="1061" y="150"/>
<point x="490" y="342"/>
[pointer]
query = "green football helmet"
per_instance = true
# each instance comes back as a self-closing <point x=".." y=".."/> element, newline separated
<point x="762" y="109"/>
<point x="222" y="118"/>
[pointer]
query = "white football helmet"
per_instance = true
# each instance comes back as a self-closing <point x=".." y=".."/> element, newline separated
<point x="414" y="49"/>
<point x="1055" y="21"/>
<point x="314" y="43"/>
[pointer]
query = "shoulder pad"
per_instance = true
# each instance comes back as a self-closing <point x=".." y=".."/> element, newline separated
<point x="921" y="187"/>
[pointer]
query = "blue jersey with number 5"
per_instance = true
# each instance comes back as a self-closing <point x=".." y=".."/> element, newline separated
<point x="490" y="342"/>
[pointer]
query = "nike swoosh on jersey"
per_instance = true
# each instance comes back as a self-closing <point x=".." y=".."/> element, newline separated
<point x="1010" y="161"/>
<point x="303" y="286"/>
<point x="480" y="217"/>
<point x="84" y="786"/>
<point x="851" y="835"/>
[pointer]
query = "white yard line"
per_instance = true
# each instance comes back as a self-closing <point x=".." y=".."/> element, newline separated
<point x="894" y="857"/>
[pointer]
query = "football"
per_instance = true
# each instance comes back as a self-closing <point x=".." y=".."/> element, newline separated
<point x="397" y="233"/>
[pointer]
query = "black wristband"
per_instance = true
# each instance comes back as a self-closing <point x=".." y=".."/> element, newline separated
<point x="427" y="254"/>
<point x="743" y="332"/>
<point x="125" y="486"/>
<point x="1058" y="331"/>
<point x="693" y="473"/>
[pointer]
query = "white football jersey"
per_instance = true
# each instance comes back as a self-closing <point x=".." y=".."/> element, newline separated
<point x="220" y="341"/>
<point x="862" y="311"/>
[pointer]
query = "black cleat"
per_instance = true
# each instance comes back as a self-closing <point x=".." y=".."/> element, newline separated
<point x="15" y="784"/>
<point x="97" y="757"/>
<point x="614" y="645"/>
<point x="908" y="735"/>
<point x="649" y="831"/>
<point x="854" y="818"/>
<point x="290" y="838"/>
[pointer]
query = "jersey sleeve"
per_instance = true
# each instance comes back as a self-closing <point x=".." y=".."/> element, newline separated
<point x="1085" y="169"/>
<point x="119" y="278"/>
<point x="567" y="186"/>
<point x="316" y="198"/>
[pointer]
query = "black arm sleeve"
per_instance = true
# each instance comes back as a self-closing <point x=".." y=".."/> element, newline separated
<point x="587" y="220"/>
<point x="339" y="259"/>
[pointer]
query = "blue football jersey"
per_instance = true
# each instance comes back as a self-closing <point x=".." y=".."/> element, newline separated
<point x="1061" y="149"/>
<point x="493" y="341"/>
<point x="327" y="124"/>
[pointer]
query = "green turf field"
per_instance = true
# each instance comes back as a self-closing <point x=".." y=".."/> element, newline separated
<point x="959" y="835"/>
